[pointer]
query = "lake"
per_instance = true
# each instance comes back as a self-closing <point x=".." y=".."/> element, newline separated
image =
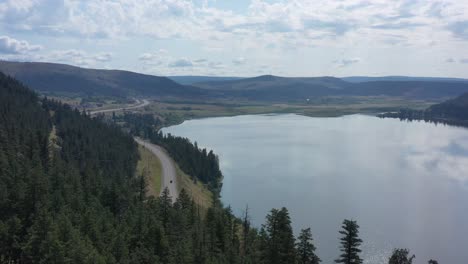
<point x="406" y="183"/>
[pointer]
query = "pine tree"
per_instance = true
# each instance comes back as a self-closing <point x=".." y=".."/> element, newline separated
<point x="400" y="256"/>
<point x="350" y="243"/>
<point x="246" y="245"/>
<point x="279" y="238"/>
<point x="305" y="248"/>
<point x="165" y="201"/>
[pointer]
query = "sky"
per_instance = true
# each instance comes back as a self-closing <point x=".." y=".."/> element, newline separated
<point x="241" y="37"/>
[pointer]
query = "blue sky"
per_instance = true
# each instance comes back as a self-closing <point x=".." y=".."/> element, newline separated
<point x="241" y="37"/>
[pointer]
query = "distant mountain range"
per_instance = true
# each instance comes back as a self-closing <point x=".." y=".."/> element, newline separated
<point x="360" y="79"/>
<point x="70" y="80"/>
<point x="64" y="79"/>
<point x="189" y="80"/>
<point x="276" y="88"/>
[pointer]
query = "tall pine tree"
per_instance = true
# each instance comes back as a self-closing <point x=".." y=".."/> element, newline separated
<point x="279" y="240"/>
<point x="350" y="243"/>
<point x="305" y="248"/>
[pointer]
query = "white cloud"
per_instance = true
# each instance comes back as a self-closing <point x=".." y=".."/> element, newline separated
<point x="180" y="18"/>
<point x="266" y="32"/>
<point x="450" y="60"/>
<point x="181" y="63"/>
<point x="239" y="61"/>
<point x="347" y="62"/>
<point x="13" y="46"/>
<point x="103" y="57"/>
<point x="77" y="57"/>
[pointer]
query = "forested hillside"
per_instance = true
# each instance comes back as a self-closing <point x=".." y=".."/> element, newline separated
<point x="69" y="194"/>
<point x="453" y="111"/>
<point x="60" y="79"/>
<point x="275" y="88"/>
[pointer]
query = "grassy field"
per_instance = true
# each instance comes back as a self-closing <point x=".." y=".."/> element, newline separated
<point x="175" y="112"/>
<point x="202" y="196"/>
<point x="150" y="166"/>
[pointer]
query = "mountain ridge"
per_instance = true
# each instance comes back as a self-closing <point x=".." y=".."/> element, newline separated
<point x="51" y="78"/>
<point x="63" y="78"/>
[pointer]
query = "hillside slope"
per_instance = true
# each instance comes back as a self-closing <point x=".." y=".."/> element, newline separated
<point x="69" y="194"/>
<point x="452" y="112"/>
<point x="193" y="80"/>
<point x="276" y="88"/>
<point x="66" y="79"/>
<point x="49" y="78"/>
<point x="360" y="79"/>
<point x="456" y="108"/>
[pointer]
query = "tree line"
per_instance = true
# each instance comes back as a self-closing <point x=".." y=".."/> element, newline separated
<point x="69" y="194"/>
<point x="451" y="112"/>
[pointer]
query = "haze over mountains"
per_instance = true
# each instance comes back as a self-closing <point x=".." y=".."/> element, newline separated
<point x="52" y="78"/>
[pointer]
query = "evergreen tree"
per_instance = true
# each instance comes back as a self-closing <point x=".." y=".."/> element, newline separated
<point x="280" y="243"/>
<point x="432" y="262"/>
<point x="305" y="248"/>
<point x="400" y="256"/>
<point x="165" y="201"/>
<point x="350" y="243"/>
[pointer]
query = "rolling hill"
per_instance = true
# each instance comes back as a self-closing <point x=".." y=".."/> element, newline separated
<point x="51" y="78"/>
<point x="276" y="88"/>
<point x="360" y="79"/>
<point x="193" y="80"/>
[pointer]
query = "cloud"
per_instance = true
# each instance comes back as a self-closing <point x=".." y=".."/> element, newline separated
<point x="193" y="20"/>
<point x="437" y="9"/>
<point x="336" y="27"/>
<point x="239" y="61"/>
<point x="450" y="60"/>
<point x="103" y="57"/>
<point x="399" y="25"/>
<point x="347" y="62"/>
<point x="215" y="65"/>
<point x="77" y="57"/>
<point x="13" y="46"/>
<point x="181" y="63"/>
<point x="156" y="58"/>
<point x="459" y="29"/>
<point x="265" y="31"/>
<point x="464" y="61"/>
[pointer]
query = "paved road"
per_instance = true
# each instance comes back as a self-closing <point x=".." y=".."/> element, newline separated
<point x="168" y="178"/>
<point x="140" y="103"/>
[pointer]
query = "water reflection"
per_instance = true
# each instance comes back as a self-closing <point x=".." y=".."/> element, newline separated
<point x="405" y="182"/>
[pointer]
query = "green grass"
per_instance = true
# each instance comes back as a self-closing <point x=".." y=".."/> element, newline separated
<point x="199" y="192"/>
<point x="150" y="166"/>
<point x="174" y="112"/>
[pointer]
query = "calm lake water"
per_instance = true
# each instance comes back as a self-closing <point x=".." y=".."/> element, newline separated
<point x="405" y="183"/>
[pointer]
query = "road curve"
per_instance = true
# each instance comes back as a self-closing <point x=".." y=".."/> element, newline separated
<point x="168" y="178"/>
<point x="139" y="104"/>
